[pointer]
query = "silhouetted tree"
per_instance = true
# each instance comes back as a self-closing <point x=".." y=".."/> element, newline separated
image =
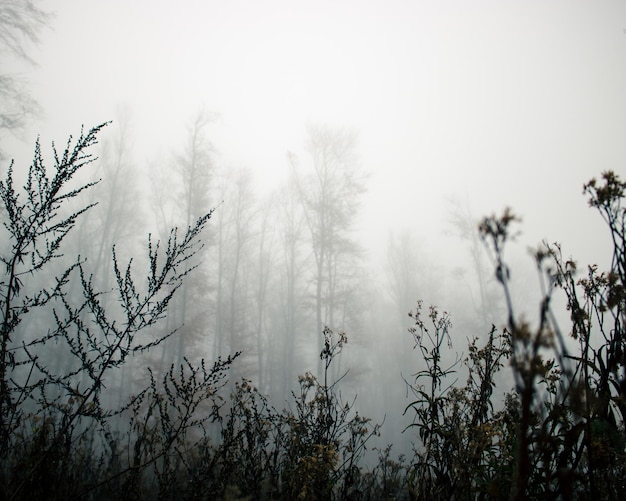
<point x="235" y="234"/>
<point x="263" y="270"/>
<point x="486" y="302"/>
<point x="286" y="310"/>
<point x="190" y="183"/>
<point x="330" y="187"/>
<point x="21" y="22"/>
<point x="404" y="274"/>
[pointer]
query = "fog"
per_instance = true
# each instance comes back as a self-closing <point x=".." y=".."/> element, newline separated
<point x="443" y="111"/>
<point x="499" y="104"/>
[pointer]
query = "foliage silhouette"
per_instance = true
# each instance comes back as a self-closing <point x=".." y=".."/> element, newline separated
<point x="557" y="434"/>
<point x="21" y="23"/>
<point x="54" y="411"/>
<point x="560" y="433"/>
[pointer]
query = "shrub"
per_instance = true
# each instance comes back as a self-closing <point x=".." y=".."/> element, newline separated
<point x="571" y="433"/>
<point x="54" y="426"/>
<point x="560" y="433"/>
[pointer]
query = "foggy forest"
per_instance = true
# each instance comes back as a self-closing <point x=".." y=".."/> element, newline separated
<point x="312" y="250"/>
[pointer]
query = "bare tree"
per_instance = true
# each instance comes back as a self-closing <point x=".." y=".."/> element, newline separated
<point x="290" y="318"/>
<point x="263" y="270"/>
<point x="485" y="301"/>
<point x="330" y="193"/>
<point x="21" y="22"/>
<point x="242" y="217"/>
<point x="195" y="165"/>
<point x="235" y="235"/>
<point x="403" y="270"/>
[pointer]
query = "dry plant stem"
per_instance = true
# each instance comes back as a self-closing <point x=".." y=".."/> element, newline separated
<point x="37" y="230"/>
<point x="495" y="232"/>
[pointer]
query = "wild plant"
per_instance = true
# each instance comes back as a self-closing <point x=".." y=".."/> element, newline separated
<point x="463" y="444"/>
<point x="52" y="407"/>
<point x="387" y="480"/>
<point x="326" y="438"/>
<point x="571" y="439"/>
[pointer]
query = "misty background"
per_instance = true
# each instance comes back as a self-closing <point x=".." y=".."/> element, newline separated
<point x="440" y="112"/>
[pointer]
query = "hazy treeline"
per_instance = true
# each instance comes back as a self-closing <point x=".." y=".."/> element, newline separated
<point x="276" y="268"/>
<point x="272" y="270"/>
<point x="152" y="370"/>
<point x="170" y="331"/>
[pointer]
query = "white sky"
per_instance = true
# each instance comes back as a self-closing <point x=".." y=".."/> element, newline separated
<point x="503" y="102"/>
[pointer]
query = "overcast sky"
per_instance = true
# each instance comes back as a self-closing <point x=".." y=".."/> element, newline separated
<point x="495" y="102"/>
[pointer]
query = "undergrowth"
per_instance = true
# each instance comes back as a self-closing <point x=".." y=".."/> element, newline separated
<point x="190" y="433"/>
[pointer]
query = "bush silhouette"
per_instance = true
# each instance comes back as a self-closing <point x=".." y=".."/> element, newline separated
<point x="189" y="433"/>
